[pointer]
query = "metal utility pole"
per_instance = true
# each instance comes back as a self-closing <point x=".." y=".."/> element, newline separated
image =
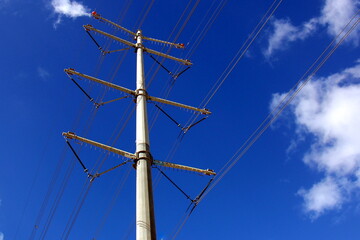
<point x="142" y="159"/>
<point x="145" y="219"/>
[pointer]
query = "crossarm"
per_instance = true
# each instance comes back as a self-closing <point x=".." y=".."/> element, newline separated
<point x="71" y="135"/>
<point x="98" y="16"/>
<point x="71" y="71"/>
<point x="183" y="61"/>
<point x="182" y="167"/>
<point x="91" y="28"/>
<point x="161" y="100"/>
<point x="177" y="45"/>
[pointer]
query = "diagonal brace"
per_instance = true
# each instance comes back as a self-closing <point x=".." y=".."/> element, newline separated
<point x="172" y="119"/>
<point x="182" y="191"/>
<point x="110" y="101"/>
<point x="112" y="51"/>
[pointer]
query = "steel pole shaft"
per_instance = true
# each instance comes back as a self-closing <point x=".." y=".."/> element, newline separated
<point x="145" y="220"/>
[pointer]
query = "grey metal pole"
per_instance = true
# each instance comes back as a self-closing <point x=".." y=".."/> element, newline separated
<point x="145" y="220"/>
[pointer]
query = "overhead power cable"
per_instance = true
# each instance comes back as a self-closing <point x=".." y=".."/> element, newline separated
<point x="112" y="203"/>
<point x="275" y="113"/>
<point x="240" y="53"/>
<point x="238" y="56"/>
<point x="200" y="36"/>
<point x="312" y="70"/>
<point x="75" y="213"/>
<point x="57" y="200"/>
<point x="55" y="175"/>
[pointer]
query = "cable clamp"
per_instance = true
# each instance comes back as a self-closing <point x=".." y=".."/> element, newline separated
<point x="139" y="45"/>
<point x="141" y="92"/>
<point x="147" y="157"/>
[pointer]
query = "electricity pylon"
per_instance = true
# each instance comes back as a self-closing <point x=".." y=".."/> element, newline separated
<point x="145" y="220"/>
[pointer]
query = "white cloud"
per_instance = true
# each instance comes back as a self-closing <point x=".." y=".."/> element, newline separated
<point x="285" y="32"/>
<point x="328" y="109"/>
<point x="2" y="236"/>
<point x="69" y="8"/>
<point x="325" y="195"/>
<point x="335" y="14"/>
<point x="43" y="73"/>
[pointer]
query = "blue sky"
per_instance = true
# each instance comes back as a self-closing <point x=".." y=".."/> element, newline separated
<point x="300" y="180"/>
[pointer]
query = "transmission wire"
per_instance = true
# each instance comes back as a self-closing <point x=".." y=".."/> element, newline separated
<point x="284" y="103"/>
<point x="245" y="147"/>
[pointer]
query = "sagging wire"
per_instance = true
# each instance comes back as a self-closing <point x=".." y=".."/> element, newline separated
<point x="241" y="52"/>
<point x="234" y="62"/>
<point x="183" y="129"/>
<point x="45" y="200"/>
<point x="294" y="91"/>
<point x="111" y="204"/>
<point x="282" y="105"/>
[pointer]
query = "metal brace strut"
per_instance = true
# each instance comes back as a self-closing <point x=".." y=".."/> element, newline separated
<point x="78" y="158"/>
<point x="184" y="129"/>
<point x="78" y="85"/>
<point x="112" y="51"/>
<point x="97" y="105"/>
<point x="182" y="191"/>
<point x="198" y="198"/>
<point x="172" y="119"/>
<point x="97" y="44"/>
<point x="96" y="175"/>
<point x="178" y="75"/>
<point x="167" y="70"/>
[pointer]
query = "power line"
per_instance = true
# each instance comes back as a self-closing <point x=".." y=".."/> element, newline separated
<point x="112" y="204"/>
<point x="314" y="68"/>
<point x="239" y="55"/>
<point x="277" y="111"/>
